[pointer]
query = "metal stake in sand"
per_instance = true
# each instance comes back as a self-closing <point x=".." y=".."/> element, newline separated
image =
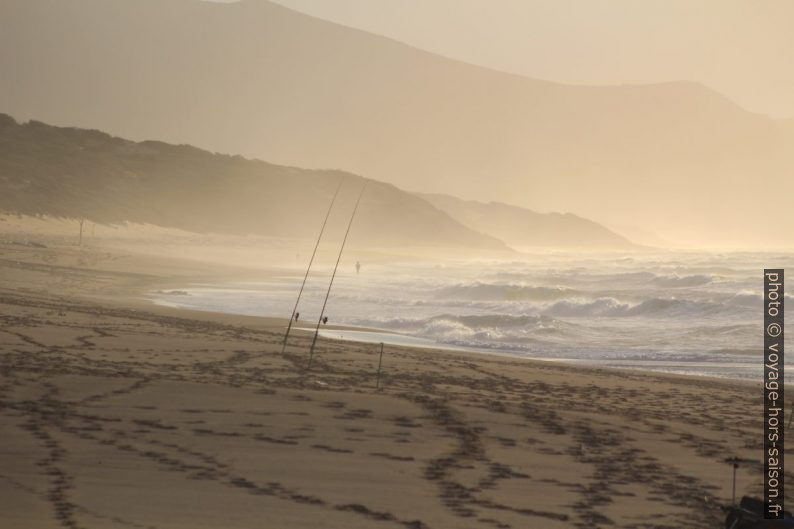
<point x="380" y="363"/>
<point x="331" y="283"/>
<point x="308" y="268"/>
<point x="734" y="461"/>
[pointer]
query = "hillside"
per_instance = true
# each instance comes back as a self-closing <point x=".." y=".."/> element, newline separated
<point x="520" y="227"/>
<point x="264" y="81"/>
<point x="76" y="173"/>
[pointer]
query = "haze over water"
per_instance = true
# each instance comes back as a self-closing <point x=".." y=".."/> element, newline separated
<point x="691" y="313"/>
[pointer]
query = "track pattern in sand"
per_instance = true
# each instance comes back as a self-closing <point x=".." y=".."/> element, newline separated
<point x="122" y="417"/>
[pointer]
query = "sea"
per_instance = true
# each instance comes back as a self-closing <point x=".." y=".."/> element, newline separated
<point x="693" y="313"/>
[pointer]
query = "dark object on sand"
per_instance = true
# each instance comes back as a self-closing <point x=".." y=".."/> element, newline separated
<point x="325" y="320"/>
<point x="380" y="364"/>
<point x="749" y="514"/>
<point x="297" y="315"/>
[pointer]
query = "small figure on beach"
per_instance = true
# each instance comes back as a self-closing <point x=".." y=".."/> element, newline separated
<point x="358" y="267"/>
<point x="297" y="315"/>
<point x="325" y="320"/>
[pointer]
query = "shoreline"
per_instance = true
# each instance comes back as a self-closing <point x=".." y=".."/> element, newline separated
<point x="374" y="336"/>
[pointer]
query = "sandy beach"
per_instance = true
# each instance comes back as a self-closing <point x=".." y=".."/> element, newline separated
<point x="540" y="248"/>
<point x="120" y="413"/>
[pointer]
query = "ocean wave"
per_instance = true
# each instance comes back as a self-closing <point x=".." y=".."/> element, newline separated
<point x="472" y="321"/>
<point x="575" y="338"/>
<point x="643" y="278"/>
<point x="655" y="307"/>
<point x="676" y="281"/>
<point x="479" y="329"/>
<point x="747" y="299"/>
<point x="486" y="291"/>
<point x="507" y="292"/>
<point x="584" y="308"/>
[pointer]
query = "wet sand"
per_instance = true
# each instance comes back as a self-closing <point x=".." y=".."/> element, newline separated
<point x="120" y="413"/>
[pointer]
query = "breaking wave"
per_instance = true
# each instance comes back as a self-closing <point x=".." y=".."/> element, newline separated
<point x="655" y="307"/>
<point x="675" y="281"/>
<point x="489" y="291"/>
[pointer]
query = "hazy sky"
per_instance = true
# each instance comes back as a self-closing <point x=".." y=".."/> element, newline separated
<point x="742" y="48"/>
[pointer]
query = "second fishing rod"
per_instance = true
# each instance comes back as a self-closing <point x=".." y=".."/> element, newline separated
<point x="333" y="276"/>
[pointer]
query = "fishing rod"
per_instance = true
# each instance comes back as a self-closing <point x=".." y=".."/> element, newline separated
<point x="305" y="277"/>
<point x="331" y="283"/>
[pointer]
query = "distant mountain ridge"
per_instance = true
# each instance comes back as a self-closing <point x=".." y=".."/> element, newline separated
<point x="520" y="227"/>
<point x="77" y="173"/>
<point x="268" y="82"/>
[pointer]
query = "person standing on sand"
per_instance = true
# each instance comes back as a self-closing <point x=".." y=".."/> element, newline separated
<point x="297" y="315"/>
<point x="358" y="267"/>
